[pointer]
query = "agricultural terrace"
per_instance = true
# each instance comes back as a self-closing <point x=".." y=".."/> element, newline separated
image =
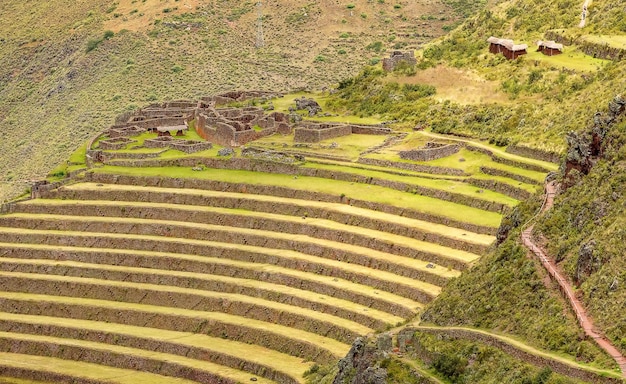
<point x="225" y="265"/>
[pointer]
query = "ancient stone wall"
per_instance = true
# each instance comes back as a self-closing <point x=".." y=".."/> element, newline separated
<point x="500" y="187"/>
<point x="533" y="153"/>
<point x="510" y="175"/>
<point x="115" y="143"/>
<point x="285" y="207"/>
<point x="370" y="130"/>
<point x="210" y="267"/>
<point x="413" y="167"/>
<point x="306" y="135"/>
<point x="397" y="57"/>
<point x="429" y="154"/>
<point x="499" y="159"/>
<point x="272" y="167"/>
<point x="283" y="192"/>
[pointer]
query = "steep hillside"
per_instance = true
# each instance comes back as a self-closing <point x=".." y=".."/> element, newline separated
<point x="66" y="72"/>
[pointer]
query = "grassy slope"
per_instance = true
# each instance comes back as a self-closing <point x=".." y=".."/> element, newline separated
<point x="54" y="95"/>
<point x="508" y="291"/>
<point x="592" y="214"/>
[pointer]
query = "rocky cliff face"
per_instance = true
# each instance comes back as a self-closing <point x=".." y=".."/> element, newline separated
<point x="362" y="365"/>
<point x="584" y="148"/>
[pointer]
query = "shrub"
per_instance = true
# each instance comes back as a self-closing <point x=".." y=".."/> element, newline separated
<point x="350" y="6"/>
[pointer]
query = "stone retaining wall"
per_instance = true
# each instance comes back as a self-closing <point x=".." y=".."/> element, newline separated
<point x="502" y="160"/>
<point x="500" y="187"/>
<point x="224" y="236"/>
<point x="520" y="354"/>
<point x="205" y="283"/>
<point x="203" y="265"/>
<point x="46" y="376"/>
<point x="429" y="154"/>
<point x="307" y="135"/>
<point x="510" y="175"/>
<point x="413" y="167"/>
<point x="110" y="358"/>
<point x="273" y="167"/>
<point x="115" y="144"/>
<point x="299" y="228"/>
<point x="314" y="132"/>
<point x="282" y="192"/>
<point x="103" y="290"/>
<point x="285" y="208"/>
<point x="534" y="153"/>
<point x="172" y="322"/>
<point x="131" y="341"/>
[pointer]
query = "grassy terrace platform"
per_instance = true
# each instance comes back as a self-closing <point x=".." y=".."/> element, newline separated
<point x="224" y="351"/>
<point x="243" y="267"/>
<point x="125" y="357"/>
<point x="334" y="286"/>
<point x="370" y="193"/>
<point x="266" y="203"/>
<point x="228" y="218"/>
<point x="53" y="370"/>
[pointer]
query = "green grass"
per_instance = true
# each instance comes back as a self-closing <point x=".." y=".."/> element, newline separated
<point x="349" y="146"/>
<point x="293" y="366"/>
<point x="350" y="190"/>
<point x="444" y="185"/>
<point x="569" y="59"/>
<point x="426" y="226"/>
<point x="79" y="155"/>
<point x="79" y="369"/>
<point x="335" y="283"/>
<point x="220" y="370"/>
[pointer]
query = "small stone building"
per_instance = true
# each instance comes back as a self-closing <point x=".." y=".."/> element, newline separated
<point x="507" y="47"/>
<point x="396" y="57"/>
<point x="549" y="48"/>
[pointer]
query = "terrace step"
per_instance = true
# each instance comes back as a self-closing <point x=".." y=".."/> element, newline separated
<point x="257" y="360"/>
<point x="343" y="213"/>
<point x="51" y="369"/>
<point x="370" y="197"/>
<point x="125" y="357"/>
<point x="226" y="217"/>
<point x="266" y="334"/>
<point x="194" y="299"/>
<point x="267" y="291"/>
<point x="409" y="287"/>
<point x="92" y="252"/>
<point x="457" y="194"/>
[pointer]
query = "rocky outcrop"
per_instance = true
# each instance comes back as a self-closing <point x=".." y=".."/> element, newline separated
<point x="310" y="105"/>
<point x="584" y="148"/>
<point x="360" y="365"/>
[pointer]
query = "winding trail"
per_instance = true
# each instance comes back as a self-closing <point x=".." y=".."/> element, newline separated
<point x="566" y="288"/>
<point x="584" y="14"/>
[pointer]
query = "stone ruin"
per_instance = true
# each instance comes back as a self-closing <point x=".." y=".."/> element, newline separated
<point x="312" y="107"/>
<point x="233" y="127"/>
<point x="430" y="151"/>
<point x="314" y="132"/>
<point x="390" y="63"/>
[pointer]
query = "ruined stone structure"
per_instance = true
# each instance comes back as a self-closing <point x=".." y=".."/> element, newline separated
<point x="310" y="105"/>
<point x="507" y="47"/>
<point x="314" y="132"/>
<point x="431" y="151"/>
<point x="237" y="126"/>
<point x="115" y="143"/>
<point x="397" y="57"/>
<point x="549" y="48"/>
